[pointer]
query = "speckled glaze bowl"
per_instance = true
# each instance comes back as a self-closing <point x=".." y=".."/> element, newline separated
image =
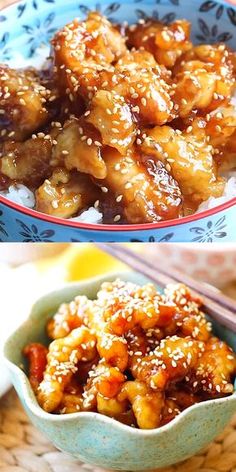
<point x="24" y="26"/>
<point x="100" y="440"/>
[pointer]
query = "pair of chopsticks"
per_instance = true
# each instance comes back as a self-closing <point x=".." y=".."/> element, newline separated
<point x="220" y="307"/>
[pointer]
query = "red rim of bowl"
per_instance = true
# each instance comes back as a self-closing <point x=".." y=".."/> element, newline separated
<point x="122" y="228"/>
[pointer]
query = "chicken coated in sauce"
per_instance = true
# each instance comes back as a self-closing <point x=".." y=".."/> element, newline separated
<point x="135" y="121"/>
<point x="23" y="103"/>
<point x="127" y="356"/>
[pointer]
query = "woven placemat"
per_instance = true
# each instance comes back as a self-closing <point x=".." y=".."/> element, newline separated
<point x="24" y="449"/>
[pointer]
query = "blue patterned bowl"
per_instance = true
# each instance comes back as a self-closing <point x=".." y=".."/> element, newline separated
<point x="97" y="439"/>
<point x="23" y="27"/>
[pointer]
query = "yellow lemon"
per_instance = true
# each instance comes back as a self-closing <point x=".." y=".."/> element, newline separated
<point x="79" y="262"/>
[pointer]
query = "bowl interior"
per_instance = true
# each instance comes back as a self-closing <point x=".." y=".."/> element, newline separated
<point x="33" y="330"/>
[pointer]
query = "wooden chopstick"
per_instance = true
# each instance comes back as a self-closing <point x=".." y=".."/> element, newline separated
<point x="215" y="304"/>
<point x="200" y="287"/>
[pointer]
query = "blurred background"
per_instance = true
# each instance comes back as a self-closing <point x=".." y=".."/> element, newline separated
<point x="213" y="263"/>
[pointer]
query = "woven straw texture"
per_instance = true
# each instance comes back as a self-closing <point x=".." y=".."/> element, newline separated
<point x="24" y="449"/>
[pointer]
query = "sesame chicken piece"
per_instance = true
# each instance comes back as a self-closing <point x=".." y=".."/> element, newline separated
<point x="220" y="126"/>
<point x="177" y="400"/>
<point x="126" y="306"/>
<point x="171" y="361"/>
<point x="204" y="79"/>
<point x="72" y="400"/>
<point x="145" y="88"/>
<point x="166" y="43"/>
<point x="227" y="159"/>
<point x="27" y="162"/>
<point x="36" y="354"/>
<point x="62" y="359"/>
<point x="105" y="380"/>
<point x="94" y="39"/>
<point x="138" y="345"/>
<point x="110" y="347"/>
<point x="192" y="321"/>
<point x="111" y="115"/>
<point x="146" y="404"/>
<point x="65" y="194"/>
<point x="190" y="158"/>
<point x="82" y="49"/>
<point x="111" y="406"/>
<point x="215" y="369"/>
<point x="148" y="192"/>
<point x="71" y="403"/>
<point x="22" y="103"/>
<point x="68" y="317"/>
<point x="79" y="147"/>
<point x="169" y="411"/>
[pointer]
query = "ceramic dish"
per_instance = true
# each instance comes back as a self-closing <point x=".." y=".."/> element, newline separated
<point x="24" y="26"/>
<point x="100" y="440"/>
<point x="210" y="263"/>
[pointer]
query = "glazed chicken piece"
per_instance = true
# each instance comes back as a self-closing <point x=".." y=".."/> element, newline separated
<point x="105" y="380"/>
<point x="146" y="404"/>
<point x="63" y="357"/>
<point x="215" y="369"/>
<point x="113" y="408"/>
<point x="68" y="317"/>
<point x="101" y="388"/>
<point x="177" y="400"/>
<point x="171" y="361"/>
<point x="79" y="147"/>
<point x="28" y="162"/>
<point x="65" y="194"/>
<point x="112" y="348"/>
<point x="221" y="125"/>
<point x="190" y="158"/>
<point x="23" y="102"/>
<point x="227" y="159"/>
<point x="166" y="43"/>
<point x="191" y="321"/>
<point x="36" y="354"/>
<point x="147" y="191"/>
<point x="127" y="306"/>
<point x="111" y="115"/>
<point x="82" y="49"/>
<point x="144" y="85"/>
<point x="72" y="399"/>
<point x="204" y="79"/>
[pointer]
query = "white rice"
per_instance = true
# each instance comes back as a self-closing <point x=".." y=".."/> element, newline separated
<point x="92" y="215"/>
<point x="22" y="195"/>
<point x="229" y="192"/>
<point x="37" y="61"/>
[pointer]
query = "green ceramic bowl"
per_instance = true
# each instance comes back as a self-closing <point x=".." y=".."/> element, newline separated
<point x="100" y="440"/>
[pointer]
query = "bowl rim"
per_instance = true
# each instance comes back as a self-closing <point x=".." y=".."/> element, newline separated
<point x="117" y="228"/>
<point x="110" y="227"/>
<point x="31" y="401"/>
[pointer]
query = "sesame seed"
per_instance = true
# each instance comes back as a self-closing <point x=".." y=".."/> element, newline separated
<point x="104" y="189"/>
